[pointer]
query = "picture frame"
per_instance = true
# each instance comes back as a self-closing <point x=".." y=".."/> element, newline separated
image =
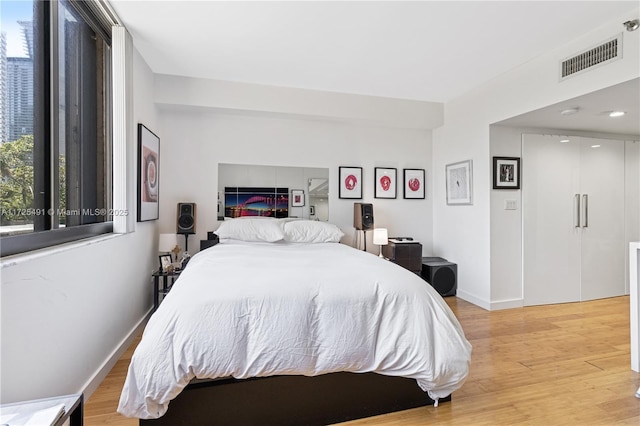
<point x="414" y="184"/>
<point x="459" y="181"/>
<point x="148" y="174"/>
<point x="350" y="181"/>
<point x="506" y="173"/>
<point x="297" y="198"/>
<point x="165" y="262"/>
<point x="386" y="182"/>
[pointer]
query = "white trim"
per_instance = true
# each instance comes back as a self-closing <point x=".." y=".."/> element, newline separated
<point x="122" y="75"/>
<point x="92" y="384"/>
<point x="507" y="304"/>
<point x="491" y="305"/>
<point x="17" y="259"/>
<point x="473" y="299"/>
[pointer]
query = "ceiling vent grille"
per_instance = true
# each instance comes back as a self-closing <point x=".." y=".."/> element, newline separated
<point x="606" y="52"/>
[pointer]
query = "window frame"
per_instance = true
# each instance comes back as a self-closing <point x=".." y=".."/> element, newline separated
<point x="45" y="231"/>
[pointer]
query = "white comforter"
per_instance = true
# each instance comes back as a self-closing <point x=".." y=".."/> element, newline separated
<point x="262" y="309"/>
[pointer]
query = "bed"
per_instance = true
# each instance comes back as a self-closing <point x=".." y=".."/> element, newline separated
<point x="283" y="300"/>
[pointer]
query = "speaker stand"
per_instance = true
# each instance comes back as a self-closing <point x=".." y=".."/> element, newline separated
<point x="186" y="243"/>
<point x="365" y="239"/>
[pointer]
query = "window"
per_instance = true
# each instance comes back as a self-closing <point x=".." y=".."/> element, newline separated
<point x="55" y="152"/>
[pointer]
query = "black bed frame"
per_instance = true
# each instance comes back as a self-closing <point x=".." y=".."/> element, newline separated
<point x="292" y="400"/>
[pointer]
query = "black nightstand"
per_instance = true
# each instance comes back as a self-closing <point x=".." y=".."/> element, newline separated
<point x="407" y="254"/>
<point x="166" y="285"/>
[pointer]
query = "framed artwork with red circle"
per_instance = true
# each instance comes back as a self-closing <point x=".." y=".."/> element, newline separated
<point x="414" y="184"/>
<point x="386" y="182"/>
<point x="350" y="181"/>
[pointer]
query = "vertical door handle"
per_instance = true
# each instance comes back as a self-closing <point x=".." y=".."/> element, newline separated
<point x="576" y="208"/>
<point x="585" y="206"/>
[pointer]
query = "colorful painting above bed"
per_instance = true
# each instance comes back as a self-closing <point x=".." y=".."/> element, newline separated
<point x="255" y="201"/>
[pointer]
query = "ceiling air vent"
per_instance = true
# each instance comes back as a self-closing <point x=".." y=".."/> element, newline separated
<point x="606" y="52"/>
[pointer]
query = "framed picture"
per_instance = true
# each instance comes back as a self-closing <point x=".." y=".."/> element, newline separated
<point x="148" y="174"/>
<point x="506" y="173"/>
<point x="297" y="198"/>
<point x="459" y="178"/>
<point x="350" y="181"/>
<point x="414" y="184"/>
<point x="165" y="262"/>
<point x="386" y="182"/>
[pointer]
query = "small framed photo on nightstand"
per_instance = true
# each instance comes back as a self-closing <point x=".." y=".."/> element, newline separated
<point x="165" y="262"/>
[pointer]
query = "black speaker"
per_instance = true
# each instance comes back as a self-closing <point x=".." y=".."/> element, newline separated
<point x="186" y="219"/>
<point x="441" y="274"/>
<point x="363" y="216"/>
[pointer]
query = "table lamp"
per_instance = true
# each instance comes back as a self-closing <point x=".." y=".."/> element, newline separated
<point x="167" y="243"/>
<point x="381" y="238"/>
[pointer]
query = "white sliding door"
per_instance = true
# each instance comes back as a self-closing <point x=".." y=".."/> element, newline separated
<point x="550" y="180"/>
<point x="573" y="219"/>
<point x="602" y="227"/>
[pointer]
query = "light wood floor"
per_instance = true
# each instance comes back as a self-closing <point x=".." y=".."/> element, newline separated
<point x="546" y="365"/>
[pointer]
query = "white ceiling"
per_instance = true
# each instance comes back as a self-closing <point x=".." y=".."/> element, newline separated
<point x="422" y="50"/>
<point x="593" y="112"/>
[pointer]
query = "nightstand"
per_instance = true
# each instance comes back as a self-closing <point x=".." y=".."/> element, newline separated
<point x="168" y="279"/>
<point x="406" y="253"/>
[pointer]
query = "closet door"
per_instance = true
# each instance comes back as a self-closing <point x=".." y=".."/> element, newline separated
<point x="602" y="218"/>
<point x="551" y="233"/>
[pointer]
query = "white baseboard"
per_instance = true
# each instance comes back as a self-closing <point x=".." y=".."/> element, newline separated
<point x="490" y="305"/>
<point x="507" y="304"/>
<point x="92" y="384"/>
<point x="473" y="299"/>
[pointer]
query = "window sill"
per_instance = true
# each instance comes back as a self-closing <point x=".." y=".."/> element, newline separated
<point x="20" y="258"/>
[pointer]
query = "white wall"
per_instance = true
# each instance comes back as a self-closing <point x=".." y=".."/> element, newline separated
<point x="256" y="98"/>
<point x="196" y="140"/>
<point x="506" y="225"/>
<point x="462" y="233"/>
<point x="68" y="311"/>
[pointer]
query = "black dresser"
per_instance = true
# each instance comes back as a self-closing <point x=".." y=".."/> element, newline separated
<point x="405" y="253"/>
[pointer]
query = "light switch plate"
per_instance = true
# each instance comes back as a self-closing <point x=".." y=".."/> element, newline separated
<point x="511" y="204"/>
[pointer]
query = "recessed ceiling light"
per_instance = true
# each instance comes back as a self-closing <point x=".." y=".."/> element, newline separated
<point x="564" y="140"/>
<point x="595" y="146"/>
<point x="570" y="111"/>
<point x="616" y="113"/>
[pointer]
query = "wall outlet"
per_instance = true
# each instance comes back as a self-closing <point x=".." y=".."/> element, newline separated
<point x="511" y="204"/>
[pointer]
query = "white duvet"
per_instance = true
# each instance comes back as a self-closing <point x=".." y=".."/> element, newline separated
<point x="262" y="309"/>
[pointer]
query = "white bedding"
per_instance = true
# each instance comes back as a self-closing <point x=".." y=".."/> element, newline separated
<point x="259" y="309"/>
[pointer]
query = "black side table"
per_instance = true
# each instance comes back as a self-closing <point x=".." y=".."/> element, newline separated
<point x="166" y="285"/>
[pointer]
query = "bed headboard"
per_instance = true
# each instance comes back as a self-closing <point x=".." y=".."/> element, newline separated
<point x="256" y="201"/>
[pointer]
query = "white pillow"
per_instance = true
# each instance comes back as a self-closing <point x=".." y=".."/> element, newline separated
<point x="311" y="231"/>
<point x="254" y="229"/>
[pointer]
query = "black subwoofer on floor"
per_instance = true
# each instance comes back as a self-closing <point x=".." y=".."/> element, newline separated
<point x="441" y="274"/>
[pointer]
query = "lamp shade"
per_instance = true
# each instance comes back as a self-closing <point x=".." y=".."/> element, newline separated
<point x="167" y="242"/>
<point x="380" y="236"/>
